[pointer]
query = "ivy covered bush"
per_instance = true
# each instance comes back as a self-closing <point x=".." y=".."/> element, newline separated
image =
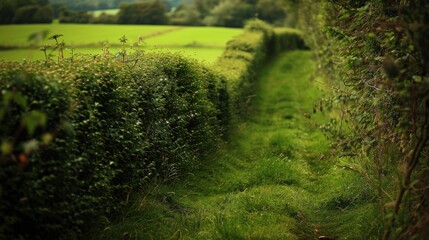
<point x="78" y="136"/>
<point x="376" y="57"/>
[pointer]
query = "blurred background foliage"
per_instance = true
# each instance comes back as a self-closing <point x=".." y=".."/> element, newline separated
<point x="231" y="13"/>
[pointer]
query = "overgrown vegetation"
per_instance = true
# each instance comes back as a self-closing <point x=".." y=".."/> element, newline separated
<point x="275" y="178"/>
<point x="376" y="55"/>
<point x="78" y="135"/>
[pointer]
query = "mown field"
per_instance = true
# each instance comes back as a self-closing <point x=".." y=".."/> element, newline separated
<point x="202" y="43"/>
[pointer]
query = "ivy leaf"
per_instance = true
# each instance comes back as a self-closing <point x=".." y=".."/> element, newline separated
<point x="6" y="147"/>
<point x="20" y="100"/>
<point x="31" y="120"/>
<point x="7" y="96"/>
<point x="417" y="79"/>
<point x="17" y="97"/>
<point x="47" y="138"/>
<point x="31" y="146"/>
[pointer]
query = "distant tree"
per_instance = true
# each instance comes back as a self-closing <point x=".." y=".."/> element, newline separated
<point x="67" y="16"/>
<point x="25" y="11"/>
<point x="251" y="2"/>
<point x="117" y="3"/>
<point x="41" y="2"/>
<point x="105" y="19"/>
<point x="23" y="3"/>
<point x="271" y="10"/>
<point x="57" y="9"/>
<point x="7" y="11"/>
<point x="25" y="14"/>
<point x="230" y="14"/>
<point x="151" y="12"/>
<point x="233" y="13"/>
<point x="80" y="6"/>
<point x="103" y="5"/>
<point x="176" y="3"/>
<point x="205" y="6"/>
<point x="185" y="14"/>
<point x="44" y="14"/>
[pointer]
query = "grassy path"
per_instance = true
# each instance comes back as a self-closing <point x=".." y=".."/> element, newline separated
<point x="273" y="180"/>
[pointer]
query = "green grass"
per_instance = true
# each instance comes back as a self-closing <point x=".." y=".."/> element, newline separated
<point x="274" y="179"/>
<point x="195" y="36"/>
<point x="97" y="13"/>
<point x="203" y="43"/>
<point x="87" y="34"/>
<point x="76" y="34"/>
<point x="208" y="55"/>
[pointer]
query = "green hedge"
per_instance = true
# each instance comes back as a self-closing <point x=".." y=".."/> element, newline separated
<point x="78" y="137"/>
<point x="114" y="127"/>
<point x="375" y="55"/>
<point x="245" y="53"/>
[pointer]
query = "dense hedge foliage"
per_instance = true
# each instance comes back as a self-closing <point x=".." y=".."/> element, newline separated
<point x="246" y="52"/>
<point x="376" y="54"/>
<point x="78" y="136"/>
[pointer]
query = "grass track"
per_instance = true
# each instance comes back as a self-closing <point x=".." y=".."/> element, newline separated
<point x="270" y="181"/>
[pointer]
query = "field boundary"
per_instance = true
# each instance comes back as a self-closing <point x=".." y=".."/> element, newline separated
<point x="99" y="44"/>
<point x="78" y="135"/>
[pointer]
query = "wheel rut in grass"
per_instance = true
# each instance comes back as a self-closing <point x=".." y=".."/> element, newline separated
<point x="274" y="178"/>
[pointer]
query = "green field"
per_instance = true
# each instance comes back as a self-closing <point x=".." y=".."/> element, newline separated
<point x="203" y="43"/>
<point x="97" y="13"/>
<point x="208" y="55"/>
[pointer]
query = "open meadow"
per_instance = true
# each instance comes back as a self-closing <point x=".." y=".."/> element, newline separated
<point x="202" y="43"/>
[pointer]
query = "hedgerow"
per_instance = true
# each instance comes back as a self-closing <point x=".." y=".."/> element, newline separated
<point x="246" y="52"/>
<point x="78" y="136"/>
<point x="376" y="56"/>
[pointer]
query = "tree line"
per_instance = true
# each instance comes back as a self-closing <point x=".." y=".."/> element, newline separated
<point x="231" y="13"/>
<point x="25" y="11"/>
